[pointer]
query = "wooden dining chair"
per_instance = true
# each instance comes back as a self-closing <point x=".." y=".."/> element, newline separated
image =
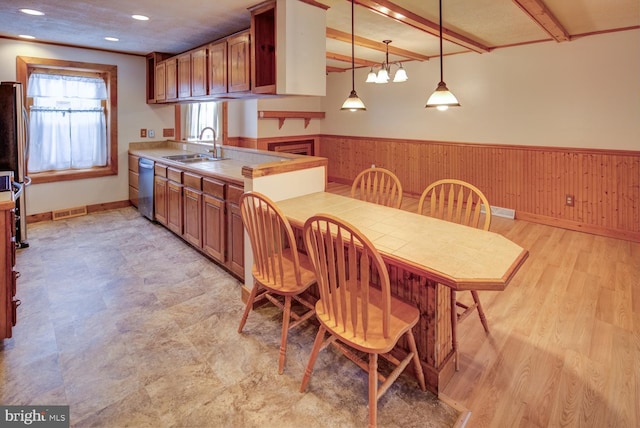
<point x="459" y="202"/>
<point x="280" y="273"/>
<point x="378" y="185"/>
<point x="359" y="317"/>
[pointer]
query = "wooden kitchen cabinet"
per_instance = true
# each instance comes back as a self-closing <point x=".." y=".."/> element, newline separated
<point x="192" y="193"/>
<point x="160" y="79"/>
<point x="133" y="180"/>
<point x="218" y="68"/>
<point x="296" y="31"/>
<point x="239" y="62"/>
<point x="160" y="193"/>
<point x="184" y="75"/>
<point x="235" y="231"/>
<point x="213" y="221"/>
<point x="8" y="274"/>
<point x="171" y="73"/>
<point x="156" y="77"/>
<point x="175" y="204"/>
<point x="199" y="75"/>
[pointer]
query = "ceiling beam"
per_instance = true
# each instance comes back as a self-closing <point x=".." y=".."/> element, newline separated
<point x="331" y="69"/>
<point x="539" y="12"/>
<point x="395" y="12"/>
<point x="347" y="58"/>
<point x="332" y="33"/>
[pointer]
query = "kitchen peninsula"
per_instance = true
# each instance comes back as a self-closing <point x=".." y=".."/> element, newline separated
<point x="198" y="201"/>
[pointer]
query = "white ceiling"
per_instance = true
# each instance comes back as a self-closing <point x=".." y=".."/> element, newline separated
<point x="179" y="25"/>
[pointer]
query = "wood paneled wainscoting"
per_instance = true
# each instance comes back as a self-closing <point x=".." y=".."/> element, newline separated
<point x="534" y="181"/>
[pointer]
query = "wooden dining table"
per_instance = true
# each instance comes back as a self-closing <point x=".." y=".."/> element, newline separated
<point x="426" y="258"/>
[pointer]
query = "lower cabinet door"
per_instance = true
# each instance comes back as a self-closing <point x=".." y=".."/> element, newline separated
<point x="174" y="207"/>
<point x="213" y="233"/>
<point x="193" y="216"/>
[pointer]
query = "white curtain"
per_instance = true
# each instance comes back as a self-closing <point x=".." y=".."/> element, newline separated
<point x="68" y="128"/>
<point x="200" y="116"/>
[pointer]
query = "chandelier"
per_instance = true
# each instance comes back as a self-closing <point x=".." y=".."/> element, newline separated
<point x="384" y="73"/>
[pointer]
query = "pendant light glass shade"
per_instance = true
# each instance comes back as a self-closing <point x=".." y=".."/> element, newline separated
<point x="442" y="98"/>
<point x="401" y="75"/>
<point x="383" y="76"/>
<point x="371" y="77"/>
<point x="353" y="102"/>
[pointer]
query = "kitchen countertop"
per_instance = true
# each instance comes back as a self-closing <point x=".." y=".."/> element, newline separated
<point x="6" y="201"/>
<point x="238" y="163"/>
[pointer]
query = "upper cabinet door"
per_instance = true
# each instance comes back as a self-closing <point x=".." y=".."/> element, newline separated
<point x="161" y="82"/>
<point x="172" y="78"/>
<point x="239" y="57"/>
<point x="218" y="68"/>
<point x="199" y="72"/>
<point x="184" y="75"/>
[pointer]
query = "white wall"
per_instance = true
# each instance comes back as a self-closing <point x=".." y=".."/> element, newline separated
<point x="133" y="114"/>
<point x="584" y="93"/>
<point x="242" y="118"/>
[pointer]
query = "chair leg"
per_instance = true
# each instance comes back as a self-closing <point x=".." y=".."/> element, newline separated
<point x="454" y="327"/>
<point x="416" y="360"/>
<point x="286" y="317"/>
<point x="317" y="344"/>
<point x="247" y="309"/>
<point x="483" y="318"/>
<point x="373" y="390"/>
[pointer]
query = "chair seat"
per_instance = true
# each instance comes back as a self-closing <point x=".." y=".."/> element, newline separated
<point x="289" y="286"/>
<point x="403" y="317"/>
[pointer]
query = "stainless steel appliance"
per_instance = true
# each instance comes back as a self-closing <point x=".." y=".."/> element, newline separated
<point x="145" y="188"/>
<point x="14" y="150"/>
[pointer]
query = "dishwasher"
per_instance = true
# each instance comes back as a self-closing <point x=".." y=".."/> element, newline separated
<point x="145" y="188"/>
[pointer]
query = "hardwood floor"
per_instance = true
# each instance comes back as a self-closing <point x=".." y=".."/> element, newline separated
<point x="564" y="348"/>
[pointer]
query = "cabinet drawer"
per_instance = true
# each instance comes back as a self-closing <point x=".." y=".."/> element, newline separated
<point x="174" y="174"/>
<point x="192" y="180"/>
<point x="213" y="187"/>
<point x="234" y="193"/>
<point x="133" y="163"/>
<point x="133" y="179"/>
<point x="160" y="170"/>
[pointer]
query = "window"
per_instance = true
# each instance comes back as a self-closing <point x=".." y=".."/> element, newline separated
<point x="73" y="118"/>
<point x="202" y="115"/>
<point x="67" y="126"/>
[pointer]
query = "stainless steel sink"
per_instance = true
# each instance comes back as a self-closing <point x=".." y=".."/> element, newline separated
<point x="193" y="157"/>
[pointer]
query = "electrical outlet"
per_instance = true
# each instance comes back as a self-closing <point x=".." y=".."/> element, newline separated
<point x="151" y="133"/>
<point x="373" y="165"/>
<point x="569" y="200"/>
<point x="143" y="133"/>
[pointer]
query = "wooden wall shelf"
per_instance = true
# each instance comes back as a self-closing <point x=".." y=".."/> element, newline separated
<point x="282" y="115"/>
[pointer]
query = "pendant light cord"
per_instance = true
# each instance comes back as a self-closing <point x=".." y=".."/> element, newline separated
<point x="353" y="72"/>
<point x="441" y="73"/>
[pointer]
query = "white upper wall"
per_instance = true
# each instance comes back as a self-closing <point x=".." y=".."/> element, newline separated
<point x="584" y="93"/>
<point x="133" y="114"/>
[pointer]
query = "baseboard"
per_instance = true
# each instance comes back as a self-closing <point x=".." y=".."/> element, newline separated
<point x="48" y="216"/>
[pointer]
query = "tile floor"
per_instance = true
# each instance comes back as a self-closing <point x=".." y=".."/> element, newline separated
<point x="129" y="326"/>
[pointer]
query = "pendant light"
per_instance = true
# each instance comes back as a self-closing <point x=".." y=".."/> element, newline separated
<point x="383" y="75"/>
<point x="353" y="103"/>
<point x="442" y="98"/>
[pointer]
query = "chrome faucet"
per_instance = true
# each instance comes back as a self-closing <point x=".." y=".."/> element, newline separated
<point x="214" y="150"/>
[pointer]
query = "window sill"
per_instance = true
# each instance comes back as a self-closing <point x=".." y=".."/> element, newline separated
<point x="75" y="174"/>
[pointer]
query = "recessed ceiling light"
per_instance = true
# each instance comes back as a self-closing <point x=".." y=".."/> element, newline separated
<point x="140" y="17"/>
<point x="25" y="36"/>
<point x="32" y="12"/>
<point x="112" y="39"/>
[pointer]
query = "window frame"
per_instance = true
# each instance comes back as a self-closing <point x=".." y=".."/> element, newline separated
<point x="26" y="65"/>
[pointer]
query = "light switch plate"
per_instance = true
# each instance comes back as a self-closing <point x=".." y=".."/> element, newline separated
<point x="151" y="133"/>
